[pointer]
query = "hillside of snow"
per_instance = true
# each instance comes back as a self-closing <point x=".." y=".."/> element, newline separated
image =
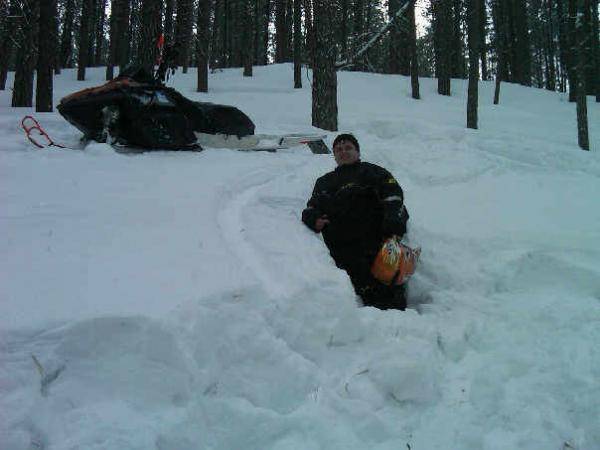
<point x="174" y="300"/>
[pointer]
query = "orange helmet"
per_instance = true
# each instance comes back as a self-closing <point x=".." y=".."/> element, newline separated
<point x="395" y="262"/>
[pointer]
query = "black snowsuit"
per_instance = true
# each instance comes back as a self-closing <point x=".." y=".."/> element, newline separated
<point x="364" y="205"/>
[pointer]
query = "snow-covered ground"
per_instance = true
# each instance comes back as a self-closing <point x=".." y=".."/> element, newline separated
<point x="175" y="301"/>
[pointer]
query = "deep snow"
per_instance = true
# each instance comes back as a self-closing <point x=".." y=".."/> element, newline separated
<point x="182" y="304"/>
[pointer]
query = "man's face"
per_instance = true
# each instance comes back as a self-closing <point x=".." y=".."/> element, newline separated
<point x="345" y="152"/>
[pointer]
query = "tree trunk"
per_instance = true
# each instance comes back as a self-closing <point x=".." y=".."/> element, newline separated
<point x="400" y="41"/>
<point x="474" y="43"/>
<point x="265" y="43"/>
<point x="84" y="39"/>
<point x="27" y="30"/>
<point x="442" y="12"/>
<point x="46" y="49"/>
<point x="150" y="28"/>
<point x="359" y="31"/>
<point x="280" y="31"/>
<point x="112" y="45"/>
<point x="247" y="47"/>
<point x="183" y="32"/>
<point x="572" y="51"/>
<point x="100" y="32"/>
<point x="169" y="23"/>
<point x="596" y="46"/>
<point x="297" y="45"/>
<point x="6" y="46"/>
<point x="310" y="35"/>
<point x="582" y="120"/>
<point x="551" y="82"/>
<point x="123" y="30"/>
<point x="482" y="38"/>
<point x="202" y="44"/>
<point x="458" y="62"/>
<point x="66" y="41"/>
<point x="344" y="27"/>
<point x="324" y="87"/>
<point x="414" y="57"/>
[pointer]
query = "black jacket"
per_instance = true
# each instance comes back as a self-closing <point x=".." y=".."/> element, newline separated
<point x="364" y="204"/>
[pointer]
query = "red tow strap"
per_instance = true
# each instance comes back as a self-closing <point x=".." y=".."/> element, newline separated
<point x="29" y="124"/>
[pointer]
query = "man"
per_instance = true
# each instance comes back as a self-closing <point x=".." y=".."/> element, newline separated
<point x="356" y="207"/>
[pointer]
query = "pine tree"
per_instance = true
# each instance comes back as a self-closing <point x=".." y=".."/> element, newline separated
<point x="66" y="39"/>
<point x="9" y="28"/>
<point x="281" y="33"/>
<point x="46" y="50"/>
<point x="101" y="19"/>
<point x="324" y="87"/>
<point x="297" y="44"/>
<point x="247" y="49"/>
<point x="26" y="54"/>
<point x="202" y="55"/>
<point x="150" y="28"/>
<point x="183" y="31"/>
<point x="414" y="57"/>
<point x="400" y="41"/>
<point x="84" y="38"/>
<point x="580" y="38"/>
<point x="442" y="41"/>
<point x="473" y="18"/>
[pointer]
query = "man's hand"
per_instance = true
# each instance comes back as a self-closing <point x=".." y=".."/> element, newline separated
<point x="321" y="222"/>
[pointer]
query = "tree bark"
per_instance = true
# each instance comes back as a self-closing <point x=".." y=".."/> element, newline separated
<point x="123" y="30"/>
<point x="247" y="47"/>
<point x="483" y="39"/>
<point x="572" y="50"/>
<point x="6" y="46"/>
<point x="169" y="22"/>
<point x="582" y="119"/>
<point x="202" y="44"/>
<point x="297" y="44"/>
<point x="100" y="32"/>
<point x="324" y="87"/>
<point x="84" y="39"/>
<point x="551" y="79"/>
<point x="27" y="29"/>
<point x="46" y="49"/>
<point x="414" y="57"/>
<point x="183" y="32"/>
<point x="442" y="12"/>
<point x="596" y="46"/>
<point x="112" y="44"/>
<point x="150" y="28"/>
<point x="400" y="41"/>
<point x="474" y="43"/>
<point x="281" y="37"/>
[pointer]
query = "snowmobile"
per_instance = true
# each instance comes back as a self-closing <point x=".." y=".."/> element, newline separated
<point x="137" y="111"/>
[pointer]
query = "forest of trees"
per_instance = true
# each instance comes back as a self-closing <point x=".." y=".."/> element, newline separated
<point x="550" y="44"/>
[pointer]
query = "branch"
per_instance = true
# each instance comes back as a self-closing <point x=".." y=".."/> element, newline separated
<point x="374" y="39"/>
